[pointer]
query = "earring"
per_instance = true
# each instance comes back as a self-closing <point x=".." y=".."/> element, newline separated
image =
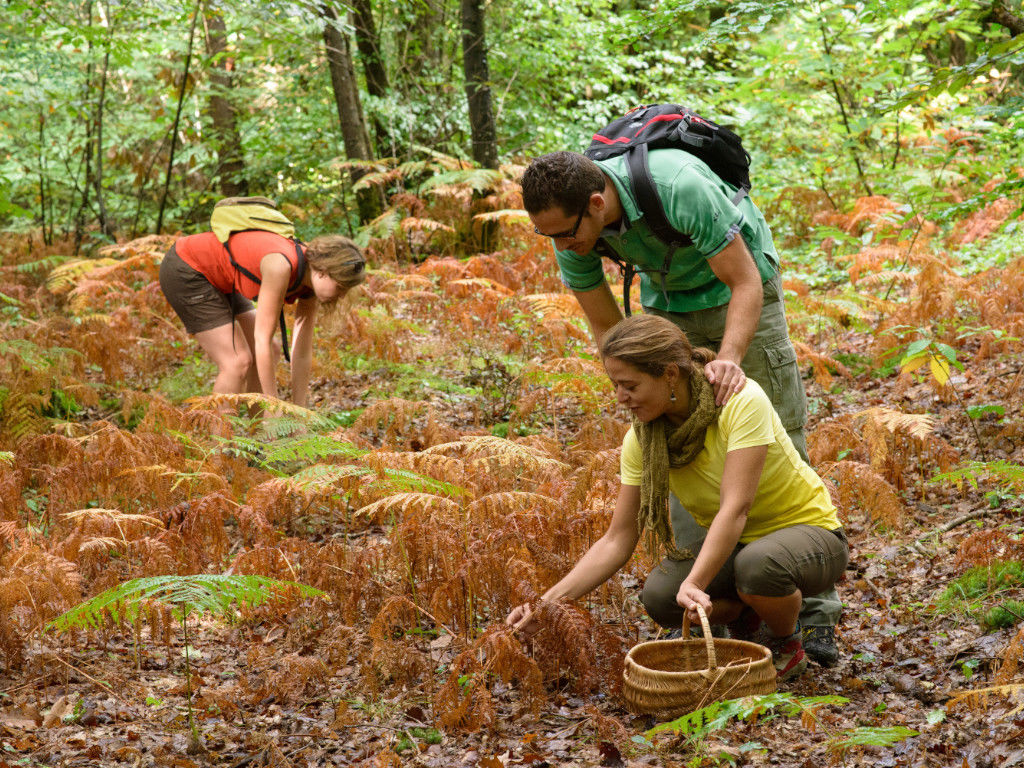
<point x="672" y="395"/>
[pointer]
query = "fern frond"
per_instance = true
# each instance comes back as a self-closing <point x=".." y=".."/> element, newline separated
<point x="413" y="224"/>
<point x="559" y="304"/>
<point x="505" y="216"/>
<point x="917" y="425"/>
<point x="308" y="448"/>
<point x="414" y="481"/>
<point x="200" y="593"/>
<point x="489" y="450"/>
<point x="1007" y="475"/>
<point x="979" y="698"/>
<point x="866" y="736"/>
<point x="323" y="477"/>
<point x="65" y="277"/>
<point x="45" y="264"/>
<point x="270" y="405"/>
<point x="114" y="515"/>
<point x="716" y="716"/>
<point x="403" y="502"/>
<point x="476" y="179"/>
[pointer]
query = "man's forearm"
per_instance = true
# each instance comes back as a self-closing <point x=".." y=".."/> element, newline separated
<point x="600" y="309"/>
<point x="741" y="320"/>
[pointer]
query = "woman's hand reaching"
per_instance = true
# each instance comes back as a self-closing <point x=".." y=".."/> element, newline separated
<point x="522" y="621"/>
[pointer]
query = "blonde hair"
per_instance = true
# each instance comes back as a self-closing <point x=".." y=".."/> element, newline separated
<point x="337" y="257"/>
<point x="649" y="343"/>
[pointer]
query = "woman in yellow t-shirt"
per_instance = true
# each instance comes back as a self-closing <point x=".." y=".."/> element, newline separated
<point x="772" y="531"/>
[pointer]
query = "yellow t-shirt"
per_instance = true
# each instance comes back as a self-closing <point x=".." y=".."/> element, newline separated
<point x="790" y="493"/>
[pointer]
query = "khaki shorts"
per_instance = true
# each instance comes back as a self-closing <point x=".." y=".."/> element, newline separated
<point x="804" y="557"/>
<point x="194" y="298"/>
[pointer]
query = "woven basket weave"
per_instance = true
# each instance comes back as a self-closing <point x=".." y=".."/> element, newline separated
<point x="669" y="678"/>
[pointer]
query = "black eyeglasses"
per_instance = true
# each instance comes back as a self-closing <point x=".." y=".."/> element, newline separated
<point x="568" y="233"/>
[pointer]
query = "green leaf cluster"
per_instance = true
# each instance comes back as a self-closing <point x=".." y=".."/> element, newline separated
<point x="217" y="594"/>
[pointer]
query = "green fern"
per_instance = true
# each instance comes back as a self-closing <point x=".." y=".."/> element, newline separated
<point x="200" y="593"/>
<point x="865" y="736"/>
<point x="698" y="724"/>
<point x="42" y="265"/>
<point x="31" y="356"/>
<point x="477" y="179"/>
<point x="384" y="226"/>
<point x="7" y="457"/>
<point x="308" y="449"/>
<point x="1009" y="476"/>
<point x="407" y="480"/>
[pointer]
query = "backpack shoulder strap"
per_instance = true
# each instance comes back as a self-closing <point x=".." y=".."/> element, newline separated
<point x="301" y="265"/>
<point x="602" y="248"/>
<point x="239" y="267"/>
<point x="647" y="199"/>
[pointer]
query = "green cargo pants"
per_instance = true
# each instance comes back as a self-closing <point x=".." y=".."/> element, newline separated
<point x="771" y="362"/>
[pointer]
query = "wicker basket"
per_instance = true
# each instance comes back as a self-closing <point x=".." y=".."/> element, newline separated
<point x="669" y="678"/>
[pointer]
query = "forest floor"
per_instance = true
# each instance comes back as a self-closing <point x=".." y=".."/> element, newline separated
<point x="909" y="658"/>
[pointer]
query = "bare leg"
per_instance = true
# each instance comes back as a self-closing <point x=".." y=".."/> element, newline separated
<point x="724" y="611"/>
<point x="778" y="613"/>
<point x="247" y="322"/>
<point x="230" y="351"/>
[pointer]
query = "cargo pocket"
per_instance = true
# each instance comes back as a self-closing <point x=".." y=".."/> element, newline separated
<point x="787" y="388"/>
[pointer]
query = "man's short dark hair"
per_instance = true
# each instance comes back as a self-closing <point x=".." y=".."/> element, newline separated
<point x="563" y="179"/>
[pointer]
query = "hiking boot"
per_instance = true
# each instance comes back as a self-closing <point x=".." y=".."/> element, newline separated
<point x="820" y="645"/>
<point x="746" y="627"/>
<point x="787" y="655"/>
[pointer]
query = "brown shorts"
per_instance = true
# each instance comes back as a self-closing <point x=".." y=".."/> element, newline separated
<point x="194" y="298"/>
<point x="804" y="557"/>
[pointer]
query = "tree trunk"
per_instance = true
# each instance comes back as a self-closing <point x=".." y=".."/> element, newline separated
<point x="105" y="227"/>
<point x="350" y="112"/>
<point x="478" y="89"/>
<point x="368" y="43"/>
<point x="226" y="138"/>
<point x="177" y="118"/>
<point x="1004" y="17"/>
<point x="89" y="144"/>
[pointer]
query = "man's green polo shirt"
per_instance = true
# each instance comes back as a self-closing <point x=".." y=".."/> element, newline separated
<point x="697" y="203"/>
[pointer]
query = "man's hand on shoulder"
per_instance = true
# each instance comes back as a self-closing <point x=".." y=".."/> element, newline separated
<point x="726" y="378"/>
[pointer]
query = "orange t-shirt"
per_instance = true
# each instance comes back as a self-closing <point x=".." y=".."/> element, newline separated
<point x="208" y="256"/>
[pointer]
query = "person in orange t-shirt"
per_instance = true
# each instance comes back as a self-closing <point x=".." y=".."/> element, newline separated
<point x="214" y="299"/>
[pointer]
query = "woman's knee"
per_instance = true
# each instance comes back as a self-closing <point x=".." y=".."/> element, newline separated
<point x="237" y="365"/>
<point x="659" y="593"/>
<point x="776" y="566"/>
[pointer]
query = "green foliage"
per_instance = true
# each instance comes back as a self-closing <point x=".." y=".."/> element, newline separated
<point x="717" y="715"/>
<point x="971" y="592"/>
<point x="216" y="594"/>
<point x="415" y="735"/>
<point x="307" y="449"/>
<point x="190" y="379"/>
<point x="1007" y="614"/>
<point x="865" y="736"/>
<point x="696" y="726"/>
<point x="1008" y="476"/>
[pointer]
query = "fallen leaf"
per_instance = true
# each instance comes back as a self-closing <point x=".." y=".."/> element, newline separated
<point x="57" y="712"/>
<point x="17" y="720"/>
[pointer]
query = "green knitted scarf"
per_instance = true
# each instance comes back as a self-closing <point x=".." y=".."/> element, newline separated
<point x="663" y="447"/>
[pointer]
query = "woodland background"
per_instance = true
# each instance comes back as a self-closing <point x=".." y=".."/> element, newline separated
<point x="462" y="448"/>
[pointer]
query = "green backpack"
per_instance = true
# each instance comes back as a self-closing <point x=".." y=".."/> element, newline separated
<point x="241" y="214"/>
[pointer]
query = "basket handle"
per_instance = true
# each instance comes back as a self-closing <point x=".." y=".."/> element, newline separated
<point x="708" y="640"/>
